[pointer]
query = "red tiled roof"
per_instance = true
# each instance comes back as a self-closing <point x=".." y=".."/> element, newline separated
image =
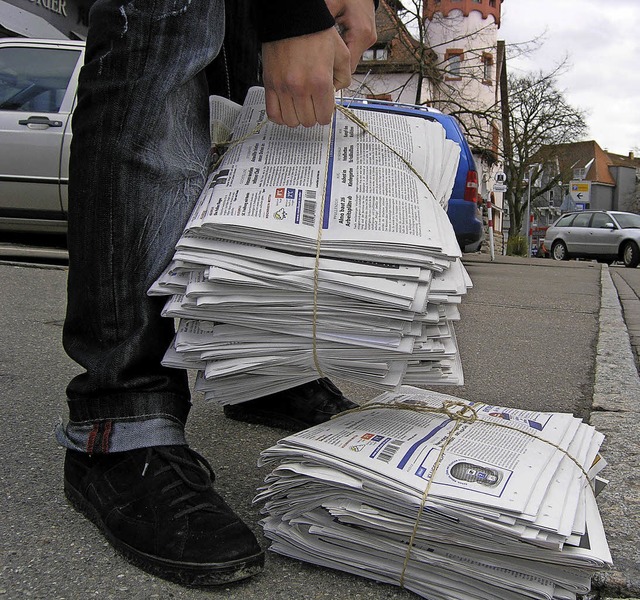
<point x="577" y="155"/>
<point x="620" y="160"/>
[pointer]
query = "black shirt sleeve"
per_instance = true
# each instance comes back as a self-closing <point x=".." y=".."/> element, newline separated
<point x="280" y="19"/>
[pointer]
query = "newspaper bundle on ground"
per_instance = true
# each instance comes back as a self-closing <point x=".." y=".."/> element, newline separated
<point x="450" y="499"/>
<point x="324" y="250"/>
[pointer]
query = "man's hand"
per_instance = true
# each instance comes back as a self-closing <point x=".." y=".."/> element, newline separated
<point x="302" y="74"/>
<point x="356" y="20"/>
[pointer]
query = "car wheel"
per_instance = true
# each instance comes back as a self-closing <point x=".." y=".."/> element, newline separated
<point x="559" y="251"/>
<point x="631" y="255"/>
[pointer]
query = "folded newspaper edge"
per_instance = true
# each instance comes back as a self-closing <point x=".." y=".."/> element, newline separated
<point x="332" y="238"/>
<point x="442" y="496"/>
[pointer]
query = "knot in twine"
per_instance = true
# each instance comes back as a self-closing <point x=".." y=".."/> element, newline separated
<point x="460" y="413"/>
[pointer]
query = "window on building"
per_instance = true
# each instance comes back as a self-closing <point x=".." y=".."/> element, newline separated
<point x="492" y="3"/>
<point x="477" y="1"/>
<point x="453" y="63"/>
<point x="487" y="68"/>
<point x="376" y="53"/>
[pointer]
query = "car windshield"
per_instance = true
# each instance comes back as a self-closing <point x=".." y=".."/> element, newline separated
<point x="628" y="220"/>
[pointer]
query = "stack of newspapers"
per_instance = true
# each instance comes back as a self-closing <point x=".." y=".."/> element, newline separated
<point x="319" y="251"/>
<point x="449" y="499"/>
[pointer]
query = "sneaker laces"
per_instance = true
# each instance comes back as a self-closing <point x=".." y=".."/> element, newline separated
<point x="191" y="473"/>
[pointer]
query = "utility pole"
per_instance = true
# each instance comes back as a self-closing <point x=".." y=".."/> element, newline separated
<point x="507" y="144"/>
<point x="529" y="213"/>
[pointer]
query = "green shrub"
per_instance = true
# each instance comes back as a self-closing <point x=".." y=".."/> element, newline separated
<point x="517" y="245"/>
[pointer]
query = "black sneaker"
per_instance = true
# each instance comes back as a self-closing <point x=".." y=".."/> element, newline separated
<point x="294" y="409"/>
<point x="157" y="507"/>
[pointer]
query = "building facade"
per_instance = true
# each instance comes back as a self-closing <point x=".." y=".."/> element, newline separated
<point x="464" y="36"/>
<point x="53" y="19"/>
<point x="443" y="54"/>
<point x="588" y="177"/>
<point x="396" y="67"/>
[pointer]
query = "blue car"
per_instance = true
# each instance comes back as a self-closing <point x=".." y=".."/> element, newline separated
<point x="463" y="204"/>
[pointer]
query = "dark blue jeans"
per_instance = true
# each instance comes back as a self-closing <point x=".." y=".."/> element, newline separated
<point x="139" y="158"/>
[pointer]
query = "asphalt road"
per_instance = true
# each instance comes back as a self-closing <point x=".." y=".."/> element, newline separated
<point x="528" y="337"/>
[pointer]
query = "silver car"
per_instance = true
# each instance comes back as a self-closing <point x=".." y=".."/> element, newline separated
<point x="605" y="235"/>
<point x="38" y="80"/>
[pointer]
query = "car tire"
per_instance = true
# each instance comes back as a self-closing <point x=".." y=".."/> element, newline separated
<point x="559" y="251"/>
<point x="631" y="255"/>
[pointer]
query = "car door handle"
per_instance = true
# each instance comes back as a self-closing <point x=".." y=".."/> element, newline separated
<point x="40" y="121"/>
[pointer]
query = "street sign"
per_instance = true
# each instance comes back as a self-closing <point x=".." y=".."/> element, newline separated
<point x="580" y="192"/>
<point x="500" y="177"/>
<point x="499" y="187"/>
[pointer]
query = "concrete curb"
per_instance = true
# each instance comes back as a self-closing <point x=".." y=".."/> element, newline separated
<point x="615" y="414"/>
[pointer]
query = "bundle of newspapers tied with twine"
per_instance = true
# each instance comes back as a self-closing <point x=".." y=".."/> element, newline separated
<point x="449" y="499"/>
<point x="328" y="252"/>
<point x="314" y="252"/>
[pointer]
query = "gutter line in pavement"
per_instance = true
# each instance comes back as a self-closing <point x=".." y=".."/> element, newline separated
<point x="615" y="413"/>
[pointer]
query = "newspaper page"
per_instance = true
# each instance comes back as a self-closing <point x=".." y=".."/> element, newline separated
<point x="300" y="181"/>
<point x="378" y="310"/>
<point x="345" y="496"/>
<point x="482" y="464"/>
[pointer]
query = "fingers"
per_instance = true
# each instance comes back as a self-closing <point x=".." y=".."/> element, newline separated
<point x="357" y="22"/>
<point x="301" y="75"/>
<point x="342" y="70"/>
<point x="304" y="109"/>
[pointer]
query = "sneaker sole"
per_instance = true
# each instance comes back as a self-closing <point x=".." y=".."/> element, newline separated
<point x="185" y="573"/>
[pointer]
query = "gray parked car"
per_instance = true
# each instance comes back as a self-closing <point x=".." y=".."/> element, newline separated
<point x="605" y="235"/>
<point x="38" y="80"/>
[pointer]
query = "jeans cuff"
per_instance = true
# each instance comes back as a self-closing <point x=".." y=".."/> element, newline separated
<point x="118" y="436"/>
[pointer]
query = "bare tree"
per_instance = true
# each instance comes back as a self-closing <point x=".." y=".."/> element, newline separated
<point x="454" y="86"/>
<point x="410" y="63"/>
<point x="537" y="115"/>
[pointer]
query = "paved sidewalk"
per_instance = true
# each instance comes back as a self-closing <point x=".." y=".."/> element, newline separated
<point x="616" y="413"/>
<point x="533" y="333"/>
<point x="627" y="282"/>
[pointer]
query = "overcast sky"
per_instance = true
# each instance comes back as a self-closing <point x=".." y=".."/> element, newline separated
<point x="601" y="40"/>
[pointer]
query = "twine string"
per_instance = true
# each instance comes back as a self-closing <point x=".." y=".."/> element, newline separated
<point x="219" y="150"/>
<point x="316" y="267"/>
<point x="458" y="411"/>
<point x="461" y="413"/>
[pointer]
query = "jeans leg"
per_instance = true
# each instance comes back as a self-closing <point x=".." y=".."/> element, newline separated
<point x="139" y="159"/>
